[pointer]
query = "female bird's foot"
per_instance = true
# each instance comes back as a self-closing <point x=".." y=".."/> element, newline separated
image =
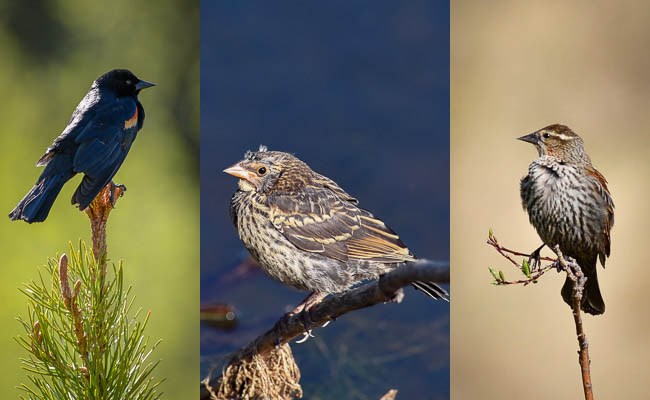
<point x="534" y="260"/>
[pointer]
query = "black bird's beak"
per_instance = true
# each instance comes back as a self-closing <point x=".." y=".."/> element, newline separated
<point x="143" y="85"/>
<point x="531" y="138"/>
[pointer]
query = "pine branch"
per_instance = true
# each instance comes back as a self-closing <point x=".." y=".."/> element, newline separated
<point x="83" y="339"/>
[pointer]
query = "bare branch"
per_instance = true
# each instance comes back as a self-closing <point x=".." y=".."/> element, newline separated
<point x="574" y="272"/>
<point x="492" y="241"/>
<point x="530" y="277"/>
<point x="332" y="307"/>
<point x="290" y="326"/>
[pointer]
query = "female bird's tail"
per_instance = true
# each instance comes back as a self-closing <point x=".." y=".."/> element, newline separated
<point x="36" y="204"/>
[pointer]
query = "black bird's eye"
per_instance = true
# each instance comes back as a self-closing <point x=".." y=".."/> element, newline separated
<point x="261" y="170"/>
<point x="128" y="81"/>
<point x="546" y="135"/>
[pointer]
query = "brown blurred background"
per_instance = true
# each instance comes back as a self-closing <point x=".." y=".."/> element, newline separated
<point x="517" y="67"/>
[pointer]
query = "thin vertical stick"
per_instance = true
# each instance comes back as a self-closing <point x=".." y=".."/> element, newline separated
<point x="98" y="212"/>
<point x="577" y="276"/>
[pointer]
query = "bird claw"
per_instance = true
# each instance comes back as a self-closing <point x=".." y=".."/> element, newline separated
<point x="306" y="320"/>
<point x="397" y="297"/>
<point x="305" y="337"/>
<point x="116" y="190"/>
<point x="535" y="258"/>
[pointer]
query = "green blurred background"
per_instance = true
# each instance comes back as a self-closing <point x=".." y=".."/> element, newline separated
<point x="517" y="67"/>
<point x="51" y="52"/>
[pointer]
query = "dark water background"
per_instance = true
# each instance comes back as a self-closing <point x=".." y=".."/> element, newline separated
<point x="360" y="91"/>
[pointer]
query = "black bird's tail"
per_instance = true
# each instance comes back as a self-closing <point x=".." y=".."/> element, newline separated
<point x="592" y="300"/>
<point x="432" y="290"/>
<point x="36" y="204"/>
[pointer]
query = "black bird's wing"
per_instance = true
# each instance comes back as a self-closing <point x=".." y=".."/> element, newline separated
<point x="103" y="146"/>
<point x="317" y="220"/>
<point x="105" y="140"/>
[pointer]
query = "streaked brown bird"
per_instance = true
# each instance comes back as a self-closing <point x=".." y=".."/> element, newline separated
<point x="307" y="232"/>
<point x="569" y="205"/>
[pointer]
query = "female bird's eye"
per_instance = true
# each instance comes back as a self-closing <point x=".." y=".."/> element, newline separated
<point x="546" y="136"/>
<point x="261" y="170"/>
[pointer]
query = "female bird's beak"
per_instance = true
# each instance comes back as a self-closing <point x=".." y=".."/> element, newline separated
<point x="531" y="138"/>
<point x="239" y="172"/>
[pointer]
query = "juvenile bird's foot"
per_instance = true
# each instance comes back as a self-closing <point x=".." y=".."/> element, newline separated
<point x="305" y="316"/>
<point x="398" y="296"/>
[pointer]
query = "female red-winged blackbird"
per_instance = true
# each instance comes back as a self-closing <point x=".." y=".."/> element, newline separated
<point x="569" y="205"/>
<point x="307" y="232"/>
<point x="95" y="143"/>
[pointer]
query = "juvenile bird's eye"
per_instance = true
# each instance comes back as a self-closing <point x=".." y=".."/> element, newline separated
<point x="261" y="170"/>
<point x="546" y="136"/>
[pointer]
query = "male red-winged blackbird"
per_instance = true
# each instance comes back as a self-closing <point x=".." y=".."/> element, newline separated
<point x="569" y="205"/>
<point x="307" y="232"/>
<point x="95" y="143"/>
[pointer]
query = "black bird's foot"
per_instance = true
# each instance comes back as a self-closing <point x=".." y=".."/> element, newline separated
<point x="116" y="192"/>
<point x="534" y="260"/>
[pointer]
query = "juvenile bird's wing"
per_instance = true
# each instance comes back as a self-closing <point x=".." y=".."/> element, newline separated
<point x="317" y="220"/>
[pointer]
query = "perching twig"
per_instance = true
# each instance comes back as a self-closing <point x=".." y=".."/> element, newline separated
<point x="492" y="241"/>
<point x="576" y="275"/>
<point x="332" y="307"/>
<point x="574" y="272"/>
<point x="98" y="212"/>
<point x="380" y="291"/>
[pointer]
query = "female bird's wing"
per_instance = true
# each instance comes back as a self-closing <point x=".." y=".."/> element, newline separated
<point x="607" y="207"/>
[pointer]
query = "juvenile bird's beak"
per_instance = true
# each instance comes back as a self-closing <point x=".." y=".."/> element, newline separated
<point x="239" y="172"/>
<point x="531" y="138"/>
<point x="143" y="85"/>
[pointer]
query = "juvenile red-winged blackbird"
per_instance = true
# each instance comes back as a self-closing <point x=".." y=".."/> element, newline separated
<point x="307" y="232"/>
<point x="569" y="205"/>
<point x="95" y="143"/>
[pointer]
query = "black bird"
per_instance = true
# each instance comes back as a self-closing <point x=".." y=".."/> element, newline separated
<point x="95" y="142"/>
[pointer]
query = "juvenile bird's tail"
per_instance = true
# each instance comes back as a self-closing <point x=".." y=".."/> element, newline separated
<point x="36" y="204"/>
<point x="432" y="290"/>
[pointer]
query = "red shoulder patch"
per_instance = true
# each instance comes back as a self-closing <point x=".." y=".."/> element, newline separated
<point x="133" y="121"/>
